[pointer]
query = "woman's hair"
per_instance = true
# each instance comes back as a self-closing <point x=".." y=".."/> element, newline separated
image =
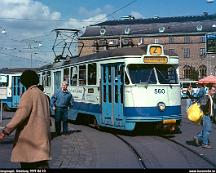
<point x="29" y="78"/>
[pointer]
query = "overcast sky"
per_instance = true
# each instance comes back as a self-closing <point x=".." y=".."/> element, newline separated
<point x="29" y="23"/>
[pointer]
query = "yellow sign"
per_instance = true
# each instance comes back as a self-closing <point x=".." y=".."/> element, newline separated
<point x="155" y="59"/>
<point x="155" y="50"/>
<point x="169" y="121"/>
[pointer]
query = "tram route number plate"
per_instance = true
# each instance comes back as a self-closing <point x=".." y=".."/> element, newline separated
<point x="169" y="121"/>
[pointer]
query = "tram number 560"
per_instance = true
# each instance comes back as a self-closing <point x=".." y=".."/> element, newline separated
<point x="159" y="91"/>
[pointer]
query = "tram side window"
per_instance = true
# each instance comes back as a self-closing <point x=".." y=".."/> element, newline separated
<point x="66" y="75"/>
<point x="92" y="72"/>
<point x="3" y="80"/>
<point x="73" y="77"/>
<point x="82" y="75"/>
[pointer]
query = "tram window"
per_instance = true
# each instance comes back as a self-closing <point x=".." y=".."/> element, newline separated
<point x="3" y="80"/>
<point x="116" y="94"/>
<point x="66" y="75"/>
<point x="82" y="75"/>
<point x="48" y="79"/>
<point x="92" y="71"/>
<point x="166" y="74"/>
<point x="109" y="74"/>
<point x="110" y="94"/>
<point x="140" y="73"/>
<point x="73" y="76"/>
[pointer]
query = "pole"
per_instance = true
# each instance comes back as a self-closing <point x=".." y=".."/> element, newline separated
<point x="1" y="112"/>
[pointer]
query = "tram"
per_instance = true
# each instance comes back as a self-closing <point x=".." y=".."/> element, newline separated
<point x="11" y="89"/>
<point x="121" y="88"/>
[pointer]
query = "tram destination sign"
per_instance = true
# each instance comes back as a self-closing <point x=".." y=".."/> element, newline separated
<point x="155" y="59"/>
<point x="211" y="43"/>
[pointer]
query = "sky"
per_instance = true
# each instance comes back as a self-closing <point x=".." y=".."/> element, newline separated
<point x="26" y="26"/>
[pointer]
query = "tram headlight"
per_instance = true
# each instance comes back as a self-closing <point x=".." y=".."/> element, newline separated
<point x="161" y="106"/>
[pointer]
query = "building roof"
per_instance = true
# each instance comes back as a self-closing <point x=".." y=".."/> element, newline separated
<point x="165" y="25"/>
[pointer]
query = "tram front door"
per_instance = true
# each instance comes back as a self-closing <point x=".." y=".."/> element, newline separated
<point x="112" y="82"/>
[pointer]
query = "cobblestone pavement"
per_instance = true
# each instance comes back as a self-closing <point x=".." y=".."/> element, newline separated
<point x="68" y="151"/>
<point x="72" y="151"/>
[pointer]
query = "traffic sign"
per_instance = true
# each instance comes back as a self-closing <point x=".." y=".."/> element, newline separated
<point x="211" y="43"/>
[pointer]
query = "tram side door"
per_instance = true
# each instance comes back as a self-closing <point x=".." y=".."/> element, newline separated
<point x="57" y="80"/>
<point x="17" y="90"/>
<point x="112" y="82"/>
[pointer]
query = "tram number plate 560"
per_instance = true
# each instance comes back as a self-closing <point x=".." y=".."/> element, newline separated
<point x="159" y="91"/>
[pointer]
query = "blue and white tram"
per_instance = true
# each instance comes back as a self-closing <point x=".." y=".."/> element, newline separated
<point x="11" y="89"/>
<point x="121" y="88"/>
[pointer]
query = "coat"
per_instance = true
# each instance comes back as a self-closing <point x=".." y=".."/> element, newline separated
<point x="32" y="124"/>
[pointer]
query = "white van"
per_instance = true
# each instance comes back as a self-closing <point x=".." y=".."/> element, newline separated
<point x="184" y="85"/>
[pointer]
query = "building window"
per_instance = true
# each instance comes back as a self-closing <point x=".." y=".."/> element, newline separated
<point x="187" y="71"/>
<point x="202" y="39"/>
<point x="171" y="39"/>
<point x="187" y="39"/>
<point x="156" y="40"/>
<point x="202" y="71"/>
<point x="172" y="51"/>
<point x="186" y="53"/>
<point x="202" y="52"/>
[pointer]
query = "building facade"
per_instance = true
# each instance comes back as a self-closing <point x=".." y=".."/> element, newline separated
<point x="184" y="35"/>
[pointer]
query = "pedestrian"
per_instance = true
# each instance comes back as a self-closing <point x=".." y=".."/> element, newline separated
<point x="61" y="101"/>
<point x="189" y="96"/>
<point x="32" y="123"/>
<point x="201" y="92"/>
<point x="207" y="107"/>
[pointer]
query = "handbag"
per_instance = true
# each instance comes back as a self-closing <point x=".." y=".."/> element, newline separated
<point x="194" y="113"/>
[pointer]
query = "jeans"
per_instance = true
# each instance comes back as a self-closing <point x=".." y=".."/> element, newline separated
<point x="61" y="115"/>
<point x="206" y="130"/>
<point x="189" y="102"/>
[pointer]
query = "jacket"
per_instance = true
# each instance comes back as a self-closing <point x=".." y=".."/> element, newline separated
<point x="32" y="124"/>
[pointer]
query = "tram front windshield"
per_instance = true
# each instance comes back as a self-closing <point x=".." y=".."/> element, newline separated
<point x="142" y="73"/>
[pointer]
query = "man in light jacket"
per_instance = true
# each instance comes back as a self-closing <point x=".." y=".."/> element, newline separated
<point x="32" y="123"/>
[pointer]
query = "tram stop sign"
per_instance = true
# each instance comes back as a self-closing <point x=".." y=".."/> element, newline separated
<point x="211" y="43"/>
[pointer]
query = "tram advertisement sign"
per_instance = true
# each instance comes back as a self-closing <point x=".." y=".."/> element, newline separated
<point x="211" y="43"/>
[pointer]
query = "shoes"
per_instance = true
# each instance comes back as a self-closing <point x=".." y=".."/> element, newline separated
<point x="207" y="146"/>
<point x="66" y="133"/>
<point x="196" y="141"/>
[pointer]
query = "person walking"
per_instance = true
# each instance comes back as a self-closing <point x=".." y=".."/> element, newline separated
<point x="61" y="101"/>
<point x="32" y="123"/>
<point x="207" y="107"/>
<point x="189" y="94"/>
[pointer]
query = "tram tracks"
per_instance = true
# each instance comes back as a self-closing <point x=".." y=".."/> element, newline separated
<point x="145" y="160"/>
<point x="141" y="157"/>
<point x="192" y="151"/>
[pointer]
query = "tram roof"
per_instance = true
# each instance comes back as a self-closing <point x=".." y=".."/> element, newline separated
<point x="15" y="70"/>
<point x="135" y="51"/>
